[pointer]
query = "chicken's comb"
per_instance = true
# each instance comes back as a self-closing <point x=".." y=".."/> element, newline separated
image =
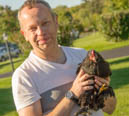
<point x="93" y="53"/>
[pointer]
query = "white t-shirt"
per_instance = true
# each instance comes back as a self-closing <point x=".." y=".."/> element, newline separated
<point x="48" y="81"/>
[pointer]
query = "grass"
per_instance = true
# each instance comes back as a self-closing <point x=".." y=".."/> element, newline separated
<point x="119" y="81"/>
<point x="98" y="42"/>
<point x="6" y="67"/>
<point x="7" y="107"/>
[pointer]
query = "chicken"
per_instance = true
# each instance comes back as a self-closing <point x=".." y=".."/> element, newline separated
<point x="94" y="64"/>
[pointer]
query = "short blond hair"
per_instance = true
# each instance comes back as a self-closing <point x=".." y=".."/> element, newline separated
<point x="31" y="4"/>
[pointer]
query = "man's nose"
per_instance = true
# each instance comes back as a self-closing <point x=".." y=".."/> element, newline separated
<point x="40" y="31"/>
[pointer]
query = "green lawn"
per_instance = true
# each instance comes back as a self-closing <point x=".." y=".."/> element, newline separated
<point x="7" y="107"/>
<point x="6" y="67"/>
<point x="98" y="42"/>
<point x="119" y="81"/>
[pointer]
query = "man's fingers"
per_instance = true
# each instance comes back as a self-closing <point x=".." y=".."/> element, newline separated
<point x="98" y="82"/>
<point x="81" y="72"/>
<point x="96" y="86"/>
<point x="108" y="79"/>
<point x="85" y="77"/>
<point x="101" y="81"/>
<point x="86" y="88"/>
<point x="88" y="82"/>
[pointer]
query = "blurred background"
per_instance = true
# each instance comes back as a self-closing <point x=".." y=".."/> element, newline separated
<point x="102" y="25"/>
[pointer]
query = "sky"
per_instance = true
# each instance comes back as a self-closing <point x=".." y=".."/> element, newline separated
<point x="15" y="4"/>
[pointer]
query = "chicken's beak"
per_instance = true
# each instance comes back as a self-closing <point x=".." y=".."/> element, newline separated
<point x="92" y="57"/>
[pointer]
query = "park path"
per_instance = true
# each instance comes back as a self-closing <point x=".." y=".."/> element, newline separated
<point x="114" y="53"/>
<point x="6" y="74"/>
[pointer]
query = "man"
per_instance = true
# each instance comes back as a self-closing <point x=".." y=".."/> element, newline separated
<point x="41" y="82"/>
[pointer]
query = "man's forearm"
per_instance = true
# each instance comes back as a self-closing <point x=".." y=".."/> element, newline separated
<point x="64" y="108"/>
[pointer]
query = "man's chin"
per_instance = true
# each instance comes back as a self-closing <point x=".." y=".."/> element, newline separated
<point x="43" y="46"/>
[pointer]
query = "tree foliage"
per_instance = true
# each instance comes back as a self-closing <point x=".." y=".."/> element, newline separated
<point x="112" y="15"/>
<point x="9" y="25"/>
<point x="8" y="22"/>
<point x="113" y="5"/>
<point x="115" y="25"/>
<point x="66" y="25"/>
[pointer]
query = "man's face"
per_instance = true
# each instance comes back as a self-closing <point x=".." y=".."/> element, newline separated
<point x="39" y="27"/>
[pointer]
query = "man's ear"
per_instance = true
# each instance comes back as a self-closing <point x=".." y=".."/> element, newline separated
<point x="22" y="32"/>
<point x="56" y="20"/>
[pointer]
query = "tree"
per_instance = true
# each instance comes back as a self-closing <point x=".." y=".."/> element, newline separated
<point x="115" y="25"/>
<point x="113" y="5"/>
<point x="9" y="24"/>
<point x="8" y="21"/>
<point x="65" y="27"/>
<point x="94" y="6"/>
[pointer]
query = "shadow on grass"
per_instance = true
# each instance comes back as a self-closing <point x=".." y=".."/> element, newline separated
<point x="120" y="77"/>
<point x="6" y="101"/>
<point x="119" y="61"/>
<point x="8" y="63"/>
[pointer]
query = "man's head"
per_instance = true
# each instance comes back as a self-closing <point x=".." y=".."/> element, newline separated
<point x="31" y="3"/>
<point x="38" y="24"/>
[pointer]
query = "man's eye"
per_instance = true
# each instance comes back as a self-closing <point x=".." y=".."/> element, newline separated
<point x="45" y="23"/>
<point x="33" y="29"/>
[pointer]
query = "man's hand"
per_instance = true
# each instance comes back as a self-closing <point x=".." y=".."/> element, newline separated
<point x="81" y="84"/>
<point x="100" y="81"/>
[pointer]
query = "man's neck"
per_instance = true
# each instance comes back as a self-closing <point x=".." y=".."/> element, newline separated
<point x="56" y="55"/>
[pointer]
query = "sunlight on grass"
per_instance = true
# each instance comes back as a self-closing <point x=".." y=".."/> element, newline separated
<point x="6" y="66"/>
<point x="119" y="62"/>
<point x="98" y="42"/>
<point x="5" y="82"/>
<point x="13" y="113"/>
<point x="120" y="83"/>
<point x="7" y="107"/>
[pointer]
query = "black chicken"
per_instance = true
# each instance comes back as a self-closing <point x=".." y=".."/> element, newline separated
<point x="94" y="64"/>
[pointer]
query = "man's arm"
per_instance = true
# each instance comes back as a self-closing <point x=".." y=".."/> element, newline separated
<point x="65" y="106"/>
<point x="31" y="110"/>
<point x="62" y="109"/>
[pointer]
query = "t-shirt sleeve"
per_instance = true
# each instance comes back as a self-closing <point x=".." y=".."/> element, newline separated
<point x="83" y="53"/>
<point x="24" y="90"/>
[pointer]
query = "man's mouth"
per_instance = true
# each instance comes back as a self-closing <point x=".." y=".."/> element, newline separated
<point x="42" y="41"/>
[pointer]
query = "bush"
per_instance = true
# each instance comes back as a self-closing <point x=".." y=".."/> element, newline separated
<point x="115" y="25"/>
